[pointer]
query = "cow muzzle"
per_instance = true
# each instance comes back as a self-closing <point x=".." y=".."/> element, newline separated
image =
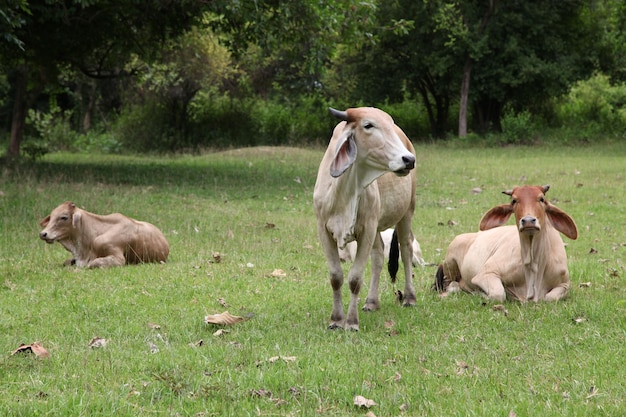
<point x="408" y="163"/>
<point x="43" y="235"/>
<point x="529" y="225"/>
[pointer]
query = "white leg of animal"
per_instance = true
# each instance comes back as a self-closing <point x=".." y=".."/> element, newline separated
<point x="337" y="317"/>
<point x="405" y="239"/>
<point x="378" y="257"/>
<point x="491" y="285"/>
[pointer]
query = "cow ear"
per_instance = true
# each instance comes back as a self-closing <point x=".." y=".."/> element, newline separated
<point x="76" y="218"/>
<point x="562" y="221"/>
<point x="345" y="155"/>
<point x="495" y="217"/>
<point x="45" y="221"/>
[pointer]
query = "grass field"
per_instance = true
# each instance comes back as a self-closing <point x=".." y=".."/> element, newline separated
<point x="455" y="356"/>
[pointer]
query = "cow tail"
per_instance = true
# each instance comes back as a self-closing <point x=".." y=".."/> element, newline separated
<point x="394" y="255"/>
<point x="439" y="280"/>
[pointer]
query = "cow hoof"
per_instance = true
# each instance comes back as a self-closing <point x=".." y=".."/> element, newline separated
<point x="370" y="307"/>
<point x="353" y="327"/>
<point x="335" y="326"/>
<point x="408" y="303"/>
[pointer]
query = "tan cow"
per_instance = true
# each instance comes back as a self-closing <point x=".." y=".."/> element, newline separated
<point x="102" y="241"/>
<point x="365" y="184"/>
<point x="526" y="261"/>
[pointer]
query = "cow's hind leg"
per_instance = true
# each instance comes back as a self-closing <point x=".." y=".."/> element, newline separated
<point x="405" y="239"/>
<point x="378" y="256"/>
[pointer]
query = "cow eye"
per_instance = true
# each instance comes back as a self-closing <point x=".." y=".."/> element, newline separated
<point x="368" y="125"/>
<point x="513" y="202"/>
<point x="542" y="200"/>
<point x="64" y="218"/>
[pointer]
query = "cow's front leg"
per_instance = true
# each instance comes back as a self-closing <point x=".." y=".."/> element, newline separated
<point x="337" y="317"/>
<point x="557" y="293"/>
<point x="491" y="285"/>
<point x="107" y="261"/>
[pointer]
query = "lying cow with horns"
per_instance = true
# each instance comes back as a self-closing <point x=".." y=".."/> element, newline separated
<point x="526" y="261"/>
<point x="102" y="241"/>
<point x="365" y="184"/>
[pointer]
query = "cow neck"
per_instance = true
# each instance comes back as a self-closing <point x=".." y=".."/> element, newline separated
<point x="349" y="190"/>
<point x="535" y="249"/>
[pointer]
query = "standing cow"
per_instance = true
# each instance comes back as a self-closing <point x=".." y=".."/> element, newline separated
<point x="365" y="184"/>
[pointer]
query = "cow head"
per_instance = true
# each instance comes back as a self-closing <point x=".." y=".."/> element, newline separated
<point x="532" y="211"/>
<point x="370" y="136"/>
<point x="59" y="225"/>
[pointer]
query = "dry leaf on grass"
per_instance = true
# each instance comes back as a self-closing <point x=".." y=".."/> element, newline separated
<point x="220" y="332"/>
<point x="278" y="273"/>
<point x="97" y="342"/>
<point x="361" y="401"/>
<point x="35" y="348"/>
<point x="500" y="307"/>
<point x="225" y="319"/>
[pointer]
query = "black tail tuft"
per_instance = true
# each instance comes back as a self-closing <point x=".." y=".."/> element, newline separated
<point x="439" y="277"/>
<point x="394" y="255"/>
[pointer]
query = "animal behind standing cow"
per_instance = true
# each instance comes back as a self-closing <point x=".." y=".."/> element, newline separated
<point x="527" y="261"/>
<point x="97" y="241"/>
<point x="365" y="184"/>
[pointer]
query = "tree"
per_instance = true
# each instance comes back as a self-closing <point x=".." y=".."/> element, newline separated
<point x="96" y="37"/>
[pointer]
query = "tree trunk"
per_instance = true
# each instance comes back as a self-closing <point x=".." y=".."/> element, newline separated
<point x="467" y="70"/>
<point x="19" y="113"/>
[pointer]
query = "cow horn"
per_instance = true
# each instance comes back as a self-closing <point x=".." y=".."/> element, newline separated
<point x="341" y="115"/>
<point x="545" y="188"/>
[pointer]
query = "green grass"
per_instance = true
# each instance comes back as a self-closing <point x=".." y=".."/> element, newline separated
<point x="445" y="357"/>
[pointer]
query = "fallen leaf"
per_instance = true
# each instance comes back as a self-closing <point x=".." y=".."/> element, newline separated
<point x="97" y="342"/>
<point x="35" y="348"/>
<point x="153" y="326"/>
<point x="224" y="318"/>
<point x="500" y="307"/>
<point x="222" y="302"/>
<point x="278" y="273"/>
<point x="220" y="332"/>
<point x="270" y="225"/>
<point x="361" y="401"/>
<point x="593" y="251"/>
<point x="217" y="257"/>
<point x="370" y="414"/>
<point x="477" y="190"/>
<point x="403" y="407"/>
<point x="197" y="344"/>
<point x="584" y="284"/>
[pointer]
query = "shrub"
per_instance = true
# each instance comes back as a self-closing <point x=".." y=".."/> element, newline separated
<point x="517" y="128"/>
<point x="593" y="106"/>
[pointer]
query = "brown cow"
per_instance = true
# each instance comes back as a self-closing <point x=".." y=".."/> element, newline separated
<point x="526" y="261"/>
<point x="102" y="241"/>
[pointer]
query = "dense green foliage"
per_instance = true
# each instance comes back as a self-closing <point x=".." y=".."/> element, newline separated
<point x="176" y="76"/>
<point x="456" y="356"/>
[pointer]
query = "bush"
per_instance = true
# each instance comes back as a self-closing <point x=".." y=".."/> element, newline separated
<point x="517" y="128"/>
<point x="594" y="106"/>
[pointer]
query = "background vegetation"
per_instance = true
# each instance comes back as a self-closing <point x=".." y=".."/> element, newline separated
<point x="455" y="356"/>
<point x="118" y="77"/>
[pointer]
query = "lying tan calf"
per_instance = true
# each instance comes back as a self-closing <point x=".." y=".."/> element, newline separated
<point x="103" y="241"/>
